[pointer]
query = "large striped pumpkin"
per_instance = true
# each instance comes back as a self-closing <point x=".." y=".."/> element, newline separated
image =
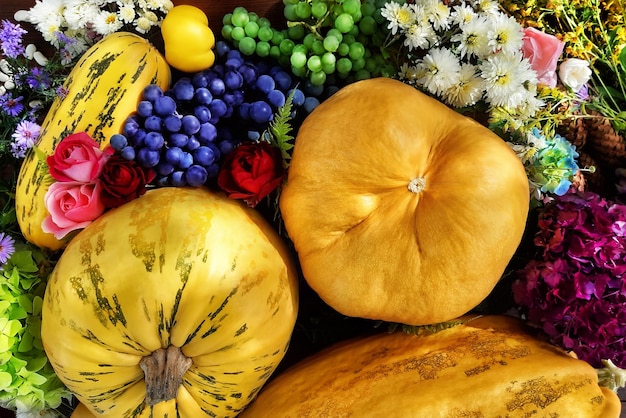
<point x="180" y="280"/>
<point x="103" y="89"/>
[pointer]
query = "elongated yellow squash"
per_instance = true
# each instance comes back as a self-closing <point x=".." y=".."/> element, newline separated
<point x="184" y="281"/>
<point x="103" y="89"/>
<point x="489" y="367"/>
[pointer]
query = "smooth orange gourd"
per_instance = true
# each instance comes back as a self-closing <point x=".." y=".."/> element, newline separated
<point x="400" y="208"/>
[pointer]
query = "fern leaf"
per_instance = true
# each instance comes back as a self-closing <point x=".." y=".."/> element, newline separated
<point x="279" y="130"/>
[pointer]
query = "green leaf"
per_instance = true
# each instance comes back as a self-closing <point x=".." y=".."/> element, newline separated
<point x="26" y="343"/>
<point x="5" y="380"/>
<point x="280" y="129"/>
<point x="26" y="302"/>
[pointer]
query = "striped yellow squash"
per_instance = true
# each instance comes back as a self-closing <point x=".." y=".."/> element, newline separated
<point x="181" y="280"/>
<point x="103" y="88"/>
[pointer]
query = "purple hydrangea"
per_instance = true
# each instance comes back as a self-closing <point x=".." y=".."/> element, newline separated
<point x="575" y="289"/>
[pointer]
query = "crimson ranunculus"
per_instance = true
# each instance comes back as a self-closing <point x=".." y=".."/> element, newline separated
<point x="77" y="158"/>
<point x="123" y="180"/>
<point x="251" y="172"/>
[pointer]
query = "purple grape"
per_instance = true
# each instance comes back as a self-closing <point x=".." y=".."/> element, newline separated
<point x="265" y="83"/>
<point x="152" y="92"/>
<point x="192" y="143"/>
<point x="202" y="113"/>
<point x="282" y="80"/>
<point x="165" y="106"/>
<point x="128" y="153"/>
<point x="164" y="168"/>
<point x="226" y="147"/>
<point x="148" y="157"/>
<point x="144" y="108"/>
<point x="207" y="133"/>
<point x="276" y="98"/>
<point x="178" y="140"/>
<point x="183" y="90"/>
<point x="204" y="156"/>
<point x="152" y="123"/>
<point x="261" y="112"/>
<point x="249" y="73"/>
<point x="218" y="108"/>
<point x="154" y="141"/>
<point x="233" y="53"/>
<point x="202" y="96"/>
<point x="217" y="87"/>
<point x="298" y="97"/>
<point x="233" y="63"/>
<point x="172" y="123"/>
<point x="118" y="141"/>
<point x="244" y="111"/>
<point x="233" y="80"/>
<point x="310" y="103"/>
<point x="173" y="155"/>
<point x="213" y="170"/>
<point x="185" y="161"/>
<point x="200" y="80"/>
<point x="138" y="138"/>
<point x="196" y="175"/>
<point x="254" y="135"/>
<point x="177" y="178"/>
<point x="131" y="126"/>
<point x="221" y="48"/>
<point x="191" y="124"/>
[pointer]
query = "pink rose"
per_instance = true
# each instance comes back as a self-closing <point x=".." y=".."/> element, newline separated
<point x="72" y="205"/>
<point x="543" y="52"/>
<point x="77" y="158"/>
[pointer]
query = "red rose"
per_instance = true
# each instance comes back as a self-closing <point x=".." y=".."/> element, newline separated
<point x="77" y="158"/>
<point x="122" y="181"/>
<point x="251" y="172"/>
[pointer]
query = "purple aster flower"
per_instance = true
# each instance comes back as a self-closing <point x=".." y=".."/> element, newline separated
<point x="62" y="92"/>
<point x="7" y="247"/>
<point x="11" y="39"/>
<point x="24" y="138"/>
<point x="12" y="106"/>
<point x="38" y="78"/>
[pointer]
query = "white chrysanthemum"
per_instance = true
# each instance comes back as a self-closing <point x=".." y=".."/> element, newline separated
<point x="126" y="13"/>
<point x="420" y="36"/>
<point x="143" y="25"/>
<point x="400" y="17"/>
<point x="505" y="34"/>
<point x="45" y="10"/>
<point x="503" y="84"/>
<point x="473" y="39"/>
<point x="106" y="23"/>
<point x="489" y="7"/>
<point x="79" y="14"/>
<point x="467" y="90"/>
<point x="440" y="68"/>
<point x="408" y="73"/>
<point x="49" y="28"/>
<point x="462" y="15"/>
<point x="437" y="13"/>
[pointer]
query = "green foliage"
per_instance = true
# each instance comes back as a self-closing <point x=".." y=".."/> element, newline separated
<point x="279" y="131"/>
<point x="27" y="380"/>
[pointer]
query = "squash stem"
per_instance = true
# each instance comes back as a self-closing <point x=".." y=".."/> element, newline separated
<point x="417" y="184"/>
<point x="163" y="373"/>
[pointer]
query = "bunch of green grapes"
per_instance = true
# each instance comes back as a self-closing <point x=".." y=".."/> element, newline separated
<point x="323" y="38"/>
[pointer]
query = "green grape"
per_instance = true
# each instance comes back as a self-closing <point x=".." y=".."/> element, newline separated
<point x="329" y="68"/>
<point x="290" y="13"/>
<point x="237" y="33"/>
<point x="344" y="65"/>
<point x="240" y="17"/>
<point x="264" y="22"/>
<point x="286" y="46"/>
<point x="252" y="29"/>
<point x="247" y="45"/>
<point x="265" y="33"/>
<point x="226" y="32"/>
<point x="314" y="63"/>
<point x="329" y="59"/>
<point x="318" y="47"/>
<point x="319" y="9"/>
<point x="368" y="8"/>
<point x="287" y="2"/>
<point x="308" y="40"/>
<point x="300" y="48"/>
<point x="352" y="7"/>
<point x="303" y="10"/>
<point x="253" y="16"/>
<point x="362" y="74"/>
<point x="349" y="39"/>
<point x="317" y="78"/>
<point x="371" y="64"/>
<point x="275" y="51"/>
<point x="337" y="9"/>
<point x="331" y="43"/>
<point x="334" y="32"/>
<point x="357" y="51"/>
<point x="277" y="37"/>
<point x="358" y="64"/>
<point x="299" y="71"/>
<point x="343" y="49"/>
<point x="354" y="32"/>
<point x="262" y="49"/>
<point x="296" y="32"/>
<point x="344" y="23"/>
<point x="226" y="19"/>
<point x="298" y="59"/>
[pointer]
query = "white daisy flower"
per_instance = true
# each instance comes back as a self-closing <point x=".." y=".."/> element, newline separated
<point x="420" y="36"/>
<point x="126" y="13"/>
<point x="44" y="11"/>
<point x="467" y="90"/>
<point x="462" y="15"/>
<point x="143" y="24"/>
<point x="79" y="14"/>
<point x="502" y="83"/>
<point x="473" y="39"/>
<point x="106" y="23"/>
<point x="437" y="13"/>
<point x="400" y="17"/>
<point x="408" y="73"/>
<point x="489" y="7"/>
<point x="440" y="68"/>
<point x="505" y="34"/>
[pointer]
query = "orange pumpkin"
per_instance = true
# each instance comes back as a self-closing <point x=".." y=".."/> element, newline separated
<point x="490" y="366"/>
<point x="400" y="208"/>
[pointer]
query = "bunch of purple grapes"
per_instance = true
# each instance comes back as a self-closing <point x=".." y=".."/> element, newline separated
<point x="185" y="132"/>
